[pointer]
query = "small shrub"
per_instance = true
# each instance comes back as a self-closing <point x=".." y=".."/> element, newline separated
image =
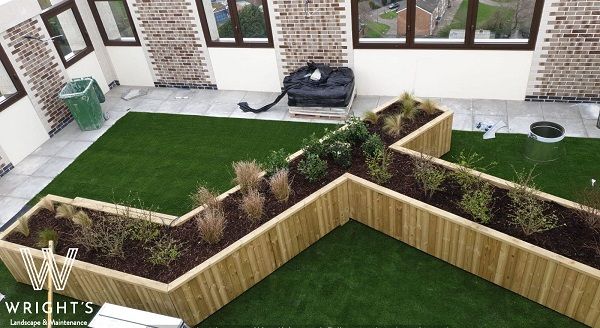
<point x="371" y="117"/>
<point x="378" y="166"/>
<point x="280" y="185"/>
<point x="82" y="219"/>
<point x="527" y="211"/>
<point x="313" y="145"/>
<point x="45" y="236"/>
<point x="312" y="167"/>
<point x="211" y="225"/>
<point x="428" y="106"/>
<point x="341" y="153"/>
<point x="253" y="204"/>
<point x="393" y="125"/>
<point x="106" y="235"/>
<point x="409" y="109"/>
<point x="277" y="160"/>
<point x="356" y="130"/>
<point x="143" y="229"/>
<point x="589" y="205"/>
<point x="372" y="145"/>
<point x="48" y="204"/>
<point x="477" y="201"/>
<point x="469" y="161"/>
<point x="429" y="176"/>
<point x="23" y="226"/>
<point x="65" y="211"/>
<point x="205" y="197"/>
<point x="164" y="251"/>
<point x="247" y="175"/>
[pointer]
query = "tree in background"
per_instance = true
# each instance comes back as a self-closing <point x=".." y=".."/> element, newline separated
<point x="252" y="23"/>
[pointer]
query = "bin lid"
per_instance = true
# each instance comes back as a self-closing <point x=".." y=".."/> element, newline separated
<point x="71" y="89"/>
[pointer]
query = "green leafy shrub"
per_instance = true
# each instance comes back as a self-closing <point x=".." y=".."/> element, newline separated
<point x="312" y="145"/>
<point x="312" y="167"/>
<point x="45" y="236"/>
<point x="429" y="176"/>
<point x="378" y="166"/>
<point x="477" y="200"/>
<point x="467" y="162"/>
<point x="276" y="160"/>
<point x="526" y="210"/>
<point x="164" y="251"/>
<point x="143" y="229"/>
<point x="372" y="145"/>
<point x="341" y="153"/>
<point x="106" y="235"/>
<point x="356" y="130"/>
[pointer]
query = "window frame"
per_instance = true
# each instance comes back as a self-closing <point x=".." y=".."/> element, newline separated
<point x="102" y="30"/>
<point x="467" y="44"/>
<point x="237" y="31"/>
<point x="12" y="74"/>
<point x="55" y="11"/>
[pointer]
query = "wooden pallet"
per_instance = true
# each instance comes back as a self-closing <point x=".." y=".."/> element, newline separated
<point x="333" y="113"/>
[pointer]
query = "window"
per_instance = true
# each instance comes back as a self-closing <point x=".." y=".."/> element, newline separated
<point x="114" y="22"/>
<point x="446" y="24"/>
<point x="11" y="89"/>
<point x="67" y="31"/>
<point x="231" y="23"/>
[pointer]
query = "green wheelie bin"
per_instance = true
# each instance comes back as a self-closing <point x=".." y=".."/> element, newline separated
<point x="83" y="97"/>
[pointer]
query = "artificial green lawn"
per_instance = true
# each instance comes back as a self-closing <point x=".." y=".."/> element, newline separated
<point x="358" y="276"/>
<point x="564" y="178"/>
<point x="160" y="158"/>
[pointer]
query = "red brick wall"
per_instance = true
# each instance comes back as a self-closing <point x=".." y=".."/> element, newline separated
<point x="172" y="37"/>
<point x="569" y="56"/>
<point x="320" y="37"/>
<point x="423" y="23"/>
<point x="42" y="71"/>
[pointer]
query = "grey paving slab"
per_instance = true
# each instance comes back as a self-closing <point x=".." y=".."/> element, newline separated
<point x="275" y="113"/>
<point x="221" y="110"/>
<point x="30" y="164"/>
<point x="589" y="111"/>
<point x="259" y="99"/>
<point x="559" y="110"/>
<point x="148" y="105"/>
<point x="592" y="130"/>
<point x="228" y="97"/>
<point x="363" y="104"/>
<point x="491" y="119"/>
<point x="238" y="113"/>
<point x="9" y="206"/>
<point x="51" y="147"/>
<point x="489" y="107"/>
<point x="120" y="105"/>
<point x="172" y="106"/>
<point x="53" y="167"/>
<point x="10" y="182"/>
<point x="114" y="116"/>
<point x="195" y="108"/>
<point x="159" y="93"/>
<point x="573" y="126"/>
<point x="384" y="99"/>
<point x="524" y="108"/>
<point x="30" y="187"/>
<point x="459" y="106"/>
<point x="462" y="122"/>
<point x="73" y="149"/>
<point x="520" y="124"/>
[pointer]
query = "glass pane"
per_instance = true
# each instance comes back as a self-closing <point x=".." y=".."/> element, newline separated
<point x="507" y="19"/>
<point x="68" y="36"/>
<point x="7" y="88"/>
<point x="219" y="22"/>
<point x="252" y="21"/>
<point x="441" y="21"/>
<point x="382" y="21"/>
<point x="45" y="4"/>
<point x="115" y="21"/>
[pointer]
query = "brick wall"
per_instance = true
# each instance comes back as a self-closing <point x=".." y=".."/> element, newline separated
<point x="568" y="54"/>
<point x="322" y="36"/>
<point x="171" y="34"/>
<point x="42" y="72"/>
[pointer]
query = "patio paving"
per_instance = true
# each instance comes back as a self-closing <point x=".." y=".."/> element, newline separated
<point x="37" y="170"/>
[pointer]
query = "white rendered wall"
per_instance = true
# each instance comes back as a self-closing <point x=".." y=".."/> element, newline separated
<point x="21" y="131"/>
<point x="131" y="66"/>
<point x="478" y="74"/>
<point x="251" y="69"/>
<point x="88" y="66"/>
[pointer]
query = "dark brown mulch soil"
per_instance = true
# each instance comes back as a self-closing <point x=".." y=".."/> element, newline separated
<point x="571" y="239"/>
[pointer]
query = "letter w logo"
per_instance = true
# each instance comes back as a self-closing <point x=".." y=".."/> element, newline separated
<point x="38" y="277"/>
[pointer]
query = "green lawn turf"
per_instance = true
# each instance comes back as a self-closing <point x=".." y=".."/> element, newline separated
<point x="564" y="178"/>
<point x="160" y="158"/>
<point x="389" y="15"/>
<point x="459" y="21"/>
<point x="376" y="30"/>
<point x="358" y="276"/>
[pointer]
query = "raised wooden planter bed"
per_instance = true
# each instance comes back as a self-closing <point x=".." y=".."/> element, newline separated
<point x="552" y="280"/>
